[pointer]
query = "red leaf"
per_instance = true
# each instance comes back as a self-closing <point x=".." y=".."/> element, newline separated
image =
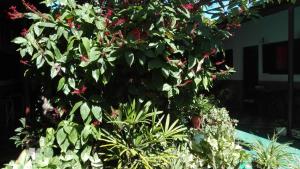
<point x="84" y="58"/>
<point x="14" y="14"/>
<point x="24" y="32"/>
<point x="118" y="22"/>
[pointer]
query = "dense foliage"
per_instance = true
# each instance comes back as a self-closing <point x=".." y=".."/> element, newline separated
<point x="93" y="58"/>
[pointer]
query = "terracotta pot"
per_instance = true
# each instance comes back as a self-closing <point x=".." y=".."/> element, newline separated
<point x="196" y="122"/>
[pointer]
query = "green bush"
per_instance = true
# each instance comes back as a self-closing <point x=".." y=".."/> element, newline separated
<point x="137" y="138"/>
<point x="99" y="55"/>
<point x="273" y="155"/>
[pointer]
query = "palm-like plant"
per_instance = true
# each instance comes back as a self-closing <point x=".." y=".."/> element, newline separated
<point x="139" y="138"/>
<point x="273" y="155"/>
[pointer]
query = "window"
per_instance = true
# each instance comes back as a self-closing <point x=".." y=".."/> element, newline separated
<point x="275" y="57"/>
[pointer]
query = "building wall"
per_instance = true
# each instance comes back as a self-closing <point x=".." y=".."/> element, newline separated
<point x="272" y="28"/>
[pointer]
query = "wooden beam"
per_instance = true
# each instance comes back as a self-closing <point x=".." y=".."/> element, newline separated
<point x="290" y="67"/>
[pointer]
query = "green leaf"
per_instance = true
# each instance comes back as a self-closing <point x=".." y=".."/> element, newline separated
<point x="19" y="40"/>
<point x="71" y="82"/>
<point x="61" y="83"/>
<point x="142" y="60"/>
<point x="50" y="136"/>
<point x="32" y="16"/>
<point x="165" y="72"/>
<point x="96" y="74"/>
<point x="85" y="154"/>
<point x="85" y="134"/>
<point x="192" y="61"/>
<point x="166" y="87"/>
<point x="64" y="146"/>
<point x="53" y="72"/>
<point x="93" y="54"/>
<point x="86" y="44"/>
<point x="47" y="24"/>
<point x="75" y="107"/>
<point x="97" y="112"/>
<point x="100" y="24"/>
<point x="73" y="136"/>
<point x="38" y="31"/>
<point x="61" y="136"/>
<point x="85" y="112"/>
<point x="40" y="60"/>
<point x="129" y="57"/>
<point x="205" y="82"/>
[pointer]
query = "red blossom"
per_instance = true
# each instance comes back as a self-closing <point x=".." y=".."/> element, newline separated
<point x="220" y="62"/>
<point x="70" y="22"/>
<point x="188" y="6"/>
<point x="24" y="32"/>
<point x="29" y="6"/>
<point x="80" y="91"/>
<point x="27" y="110"/>
<point x="109" y="13"/>
<point x="118" y="22"/>
<point x="107" y="22"/>
<point x="96" y="123"/>
<point x="106" y="33"/>
<point x="206" y="55"/>
<point x="57" y="16"/>
<point x="24" y="62"/>
<point x="214" y="77"/>
<point x="14" y="14"/>
<point x="84" y="58"/>
<point x="213" y="51"/>
<point x="78" y="26"/>
<point x="168" y="59"/>
<point x="136" y="33"/>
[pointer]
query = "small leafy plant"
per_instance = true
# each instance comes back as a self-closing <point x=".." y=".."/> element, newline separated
<point x="273" y="155"/>
<point x="140" y="138"/>
<point x="215" y="142"/>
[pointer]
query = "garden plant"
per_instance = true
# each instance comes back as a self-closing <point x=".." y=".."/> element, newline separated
<point x="119" y="82"/>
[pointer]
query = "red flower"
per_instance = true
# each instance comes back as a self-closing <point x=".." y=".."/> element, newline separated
<point x="213" y="51"/>
<point x="136" y="33"/>
<point x="106" y="33"/>
<point x="14" y="14"/>
<point x="168" y="59"/>
<point x="205" y="55"/>
<point x="27" y="110"/>
<point x="24" y="32"/>
<point x="70" y="22"/>
<point x="196" y="121"/>
<point x="107" y="22"/>
<point x="78" y="26"/>
<point x="214" y="77"/>
<point x="24" y="62"/>
<point x="80" y="91"/>
<point x="57" y="16"/>
<point x="109" y="13"/>
<point x="96" y="123"/>
<point x="220" y="62"/>
<point x="118" y="22"/>
<point x="31" y="6"/>
<point x="84" y="58"/>
<point x="188" y="6"/>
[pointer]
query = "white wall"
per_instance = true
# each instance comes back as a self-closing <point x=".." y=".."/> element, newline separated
<point x="272" y="28"/>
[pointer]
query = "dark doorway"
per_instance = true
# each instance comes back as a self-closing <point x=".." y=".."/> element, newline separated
<point x="250" y="71"/>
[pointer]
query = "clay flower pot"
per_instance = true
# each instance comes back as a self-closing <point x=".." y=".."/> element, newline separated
<point x="196" y="122"/>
